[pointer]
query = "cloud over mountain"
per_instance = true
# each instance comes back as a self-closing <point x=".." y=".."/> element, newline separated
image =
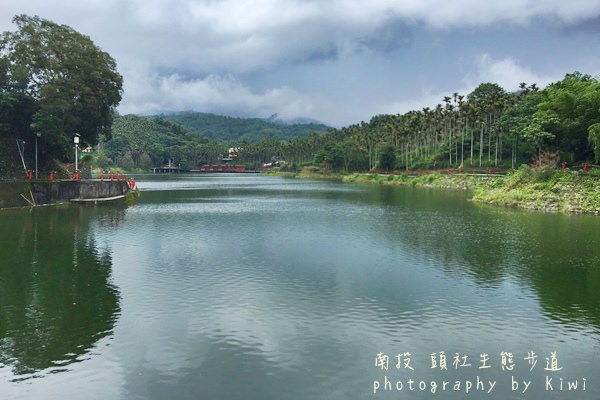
<point x="338" y="61"/>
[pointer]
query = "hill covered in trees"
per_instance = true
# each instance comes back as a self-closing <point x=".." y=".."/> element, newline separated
<point x="142" y="142"/>
<point x="192" y="139"/>
<point x="488" y="127"/>
<point x="229" y="129"/>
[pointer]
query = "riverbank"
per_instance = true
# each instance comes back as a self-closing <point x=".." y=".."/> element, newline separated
<point x="524" y="188"/>
<point x="25" y="193"/>
<point x="308" y="173"/>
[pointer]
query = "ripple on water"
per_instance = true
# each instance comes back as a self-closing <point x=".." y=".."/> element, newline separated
<point x="264" y="288"/>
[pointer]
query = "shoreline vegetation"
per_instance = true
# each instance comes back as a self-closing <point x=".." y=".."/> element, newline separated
<point x="546" y="190"/>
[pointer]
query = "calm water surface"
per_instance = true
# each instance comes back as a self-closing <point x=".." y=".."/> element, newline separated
<point x="252" y="287"/>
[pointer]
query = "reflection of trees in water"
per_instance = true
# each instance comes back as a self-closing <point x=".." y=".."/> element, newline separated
<point x="557" y="256"/>
<point x="56" y="298"/>
<point x="436" y="224"/>
<point x="564" y="267"/>
<point x="569" y="295"/>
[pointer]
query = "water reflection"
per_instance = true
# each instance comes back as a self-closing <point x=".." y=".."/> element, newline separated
<point x="251" y="287"/>
<point x="56" y="295"/>
<point x="563" y="265"/>
<point x="292" y="288"/>
<point x="558" y="256"/>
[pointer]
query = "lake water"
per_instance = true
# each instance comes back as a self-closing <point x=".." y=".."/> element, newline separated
<point x="254" y="287"/>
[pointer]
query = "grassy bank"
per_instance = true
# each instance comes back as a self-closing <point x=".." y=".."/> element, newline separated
<point x="437" y="180"/>
<point x="547" y="190"/>
<point x="307" y="173"/>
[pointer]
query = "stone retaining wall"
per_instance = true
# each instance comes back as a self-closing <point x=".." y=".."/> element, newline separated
<point x="57" y="192"/>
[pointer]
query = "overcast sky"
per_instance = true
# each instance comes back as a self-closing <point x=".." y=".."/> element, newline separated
<point x="337" y="61"/>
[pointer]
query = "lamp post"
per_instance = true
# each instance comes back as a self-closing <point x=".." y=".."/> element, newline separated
<point x="76" y="141"/>
<point x="37" y="135"/>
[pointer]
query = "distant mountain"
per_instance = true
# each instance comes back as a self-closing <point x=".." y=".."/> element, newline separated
<point x="276" y="119"/>
<point x="229" y="129"/>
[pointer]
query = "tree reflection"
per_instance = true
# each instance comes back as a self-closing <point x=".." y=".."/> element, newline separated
<point x="558" y="256"/>
<point x="563" y="266"/>
<point x="56" y="297"/>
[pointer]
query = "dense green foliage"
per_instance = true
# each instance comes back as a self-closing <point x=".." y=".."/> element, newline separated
<point x="141" y="142"/>
<point x="488" y="127"/>
<point x="545" y="189"/>
<point x="144" y="142"/>
<point x="55" y="82"/>
<point x="232" y="129"/>
<point x="572" y="107"/>
<point x="594" y="138"/>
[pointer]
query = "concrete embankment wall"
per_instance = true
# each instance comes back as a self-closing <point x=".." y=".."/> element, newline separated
<point x="15" y="193"/>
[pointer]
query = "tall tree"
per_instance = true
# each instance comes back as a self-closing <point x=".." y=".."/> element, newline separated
<point x="387" y="158"/>
<point x="594" y="138"/>
<point x="71" y="84"/>
<point x="574" y="105"/>
<point x="489" y="99"/>
<point x="520" y="128"/>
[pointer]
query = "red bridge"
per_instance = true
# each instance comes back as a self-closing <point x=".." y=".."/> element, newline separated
<point x="222" y="168"/>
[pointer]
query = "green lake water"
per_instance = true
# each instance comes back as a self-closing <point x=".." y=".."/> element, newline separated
<point x="254" y="287"/>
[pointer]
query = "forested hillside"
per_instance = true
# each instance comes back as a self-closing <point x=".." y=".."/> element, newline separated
<point x="193" y="139"/>
<point x="488" y="127"/>
<point x="251" y="130"/>
<point x="142" y="142"/>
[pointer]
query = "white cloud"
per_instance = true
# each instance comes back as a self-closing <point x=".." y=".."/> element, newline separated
<point x="426" y="99"/>
<point x="506" y="72"/>
<point x="251" y="16"/>
<point x="237" y="35"/>
<point x="203" y="54"/>
<point x="220" y="94"/>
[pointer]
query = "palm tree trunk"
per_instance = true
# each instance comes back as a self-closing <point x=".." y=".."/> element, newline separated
<point x="472" y="143"/>
<point x="480" y="145"/>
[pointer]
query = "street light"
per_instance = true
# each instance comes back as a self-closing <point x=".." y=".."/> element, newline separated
<point x="76" y="141"/>
<point x="37" y="135"/>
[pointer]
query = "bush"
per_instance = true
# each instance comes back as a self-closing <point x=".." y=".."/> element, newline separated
<point x="144" y="161"/>
<point x="126" y="161"/>
<point x="545" y="160"/>
<point x="524" y="174"/>
<point x="387" y="157"/>
<point x="102" y="161"/>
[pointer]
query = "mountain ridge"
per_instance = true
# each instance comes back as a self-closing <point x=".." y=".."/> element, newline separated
<point x="228" y="128"/>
